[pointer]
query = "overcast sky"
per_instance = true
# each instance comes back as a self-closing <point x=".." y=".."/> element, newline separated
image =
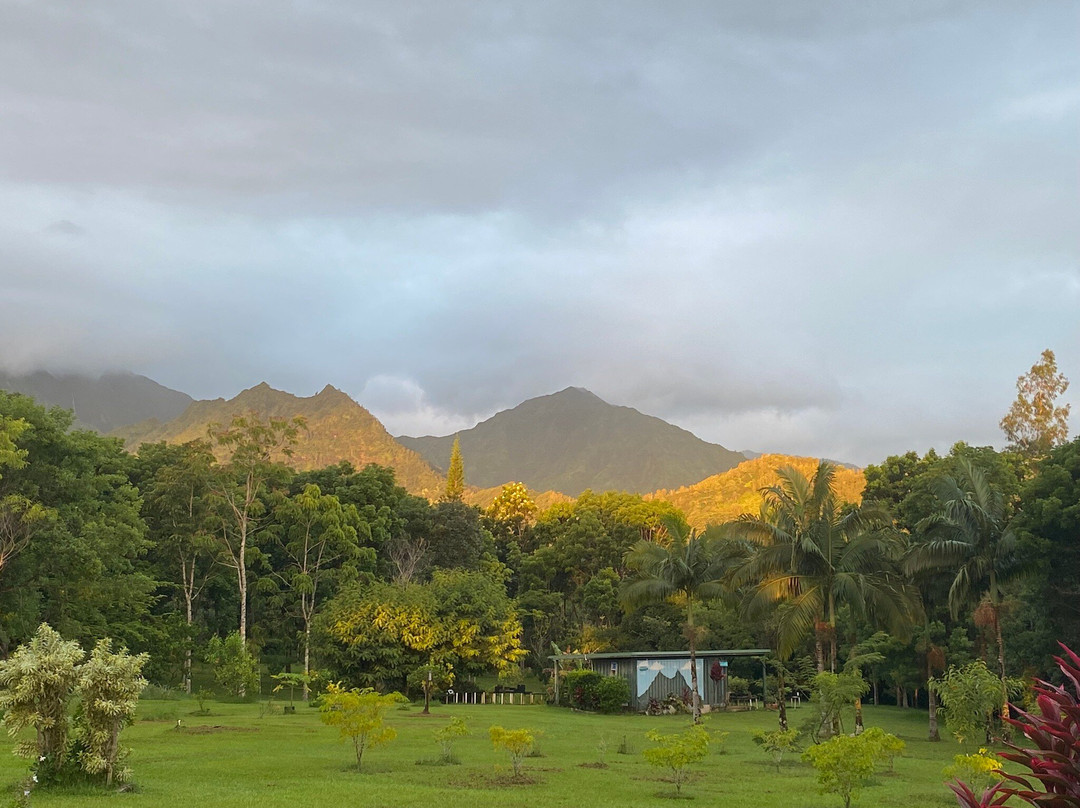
<point x="828" y="228"/>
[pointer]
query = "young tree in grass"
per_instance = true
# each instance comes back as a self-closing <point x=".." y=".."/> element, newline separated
<point x="359" y="715"/>
<point x="447" y="735"/>
<point x="429" y="678"/>
<point x="517" y="743"/>
<point x="235" y="667"/>
<point x="843" y="765"/>
<point x="678" y="752"/>
<point x="777" y="743"/>
<point x="688" y="570"/>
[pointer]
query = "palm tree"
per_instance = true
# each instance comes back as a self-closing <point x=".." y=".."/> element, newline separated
<point x="689" y="569"/>
<point x="971" y="536"/>
<point x="814" y="555"/>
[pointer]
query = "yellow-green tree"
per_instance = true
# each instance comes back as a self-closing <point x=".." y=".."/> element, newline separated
<point x="359" y="715"/>
<point x="109" y="688"/>
<point x="455" y="475"/>
<point x="1034" y="424"/>
<point x="517" y="743"/>
<point x="513" y="507"/>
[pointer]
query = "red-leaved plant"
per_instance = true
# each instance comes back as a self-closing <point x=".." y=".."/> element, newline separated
<point x="1054" y="763"/>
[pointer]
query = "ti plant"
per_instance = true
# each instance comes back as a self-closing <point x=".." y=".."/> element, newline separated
<point x="1053" y="763"/>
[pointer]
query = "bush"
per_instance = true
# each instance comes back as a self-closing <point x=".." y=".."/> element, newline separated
<point x="42" y="678"/>
<point x="979" y="770"/>
<point x="612" y="694"/>
<point x="235" y="668"/>
<point x="844" y="764"/>
<point x="588" y="690"/>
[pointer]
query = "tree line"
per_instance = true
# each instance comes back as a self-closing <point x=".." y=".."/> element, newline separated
<point x="947" y="559"/>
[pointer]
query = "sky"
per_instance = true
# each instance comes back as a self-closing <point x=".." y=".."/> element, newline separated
<point x="837" y="229"/>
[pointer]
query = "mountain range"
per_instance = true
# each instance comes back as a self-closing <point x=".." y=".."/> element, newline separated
<point x="103" y="402"/>
<point x="337" y="429"/>
<point x="573" y="440"/>
<point x="557" y="445"/>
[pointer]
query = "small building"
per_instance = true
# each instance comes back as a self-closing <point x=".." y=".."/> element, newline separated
<point x="659" y="674"/>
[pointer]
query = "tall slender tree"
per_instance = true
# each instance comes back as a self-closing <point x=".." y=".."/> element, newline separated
<point x="688" y="569"/>
<point x="455" y="474"/>
<point x="1034" y="423"/>
<point x="254" y="449"/>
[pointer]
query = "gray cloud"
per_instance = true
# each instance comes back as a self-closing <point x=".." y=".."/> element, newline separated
<point x="838" y="228"/>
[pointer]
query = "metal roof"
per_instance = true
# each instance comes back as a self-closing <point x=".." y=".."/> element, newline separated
<point x="664" y="654"/>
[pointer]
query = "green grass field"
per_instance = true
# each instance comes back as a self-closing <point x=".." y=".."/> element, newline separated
<point x="234" y="757"/>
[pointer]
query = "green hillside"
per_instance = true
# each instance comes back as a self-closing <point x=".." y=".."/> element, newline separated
<point x="723" y="497"/>
<point x="337" y="429"/>
<point x="573" y="440"/>
<point x="104" y="402"/>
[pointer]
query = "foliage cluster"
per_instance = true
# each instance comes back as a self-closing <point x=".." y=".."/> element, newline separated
<point x="589" y="690"/>
<point x="39" y="683"/>
<point x="677" y="752"/>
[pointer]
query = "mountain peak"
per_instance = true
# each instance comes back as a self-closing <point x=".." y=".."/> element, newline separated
<point x="573" y="440"/>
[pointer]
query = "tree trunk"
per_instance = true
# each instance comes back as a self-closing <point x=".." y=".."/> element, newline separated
<point x="692" y="637"/>
<point x="858" y="717"/>
<point x="187" y="651"/>
<point x="1001" y="668"/>
<point x="781" y="698"/>
<point x="307" y="659"/>
<point x="876" y="701"/>
<point x="934" y="734"/>
<point x="819" y="652"/>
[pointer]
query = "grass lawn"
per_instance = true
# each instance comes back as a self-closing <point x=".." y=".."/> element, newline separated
<point x="234" y="758"/>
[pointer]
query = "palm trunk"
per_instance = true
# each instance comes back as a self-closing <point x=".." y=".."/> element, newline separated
<point x="819" y="652"/>
<point x="692" y="637"/>
<point x="782" y="699"/>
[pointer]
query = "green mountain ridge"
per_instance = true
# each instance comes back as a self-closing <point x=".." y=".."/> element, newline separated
<point x="573" y="440"/>
<point x="337" y="429"/>
<point x="103" y="403"/>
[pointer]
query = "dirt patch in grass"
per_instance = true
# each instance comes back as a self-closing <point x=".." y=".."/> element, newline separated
<point x="497" y="780"/>
<point x="592" y="765"/>
<point x="207" y="729"/>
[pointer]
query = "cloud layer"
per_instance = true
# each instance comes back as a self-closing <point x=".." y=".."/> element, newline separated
<point x="837" y="229"/>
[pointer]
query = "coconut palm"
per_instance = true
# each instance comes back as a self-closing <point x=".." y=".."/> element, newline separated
<point x="813" y="554"/>
<point x="971" y="538"/>
<point x="687" y="569"/>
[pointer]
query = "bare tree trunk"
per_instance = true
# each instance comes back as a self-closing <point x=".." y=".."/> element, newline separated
<point x="307" y="659"/>
<point x="187" y="651"/>
<point x="876" y="699"/>
<point x="1001" y="668"/>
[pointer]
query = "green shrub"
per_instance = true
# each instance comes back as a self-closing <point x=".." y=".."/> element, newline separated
<point x="777" y="743"/>
<point x="677" y="752"/>
<point x="235" y="668"/>
<point x="589" y="690"/>
<point x="446" y="736"/>
<point x="979" y="770"/>
<point x="612" y="694"/>
<point x="844" y="764"/>
<point x="887" y="745"/>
